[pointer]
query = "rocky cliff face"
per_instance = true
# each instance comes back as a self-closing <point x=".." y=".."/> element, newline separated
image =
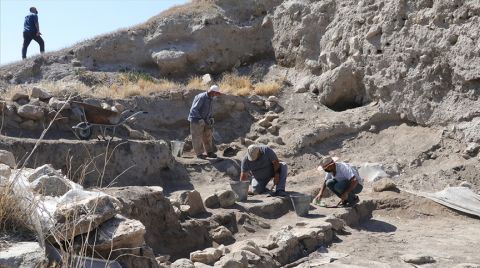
<point x="419" y="58"/>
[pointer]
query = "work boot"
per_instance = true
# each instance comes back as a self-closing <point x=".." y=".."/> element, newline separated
<point x="212" y="155"/>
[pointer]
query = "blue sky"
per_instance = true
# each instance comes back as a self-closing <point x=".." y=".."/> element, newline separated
<point x="66" y="22"/>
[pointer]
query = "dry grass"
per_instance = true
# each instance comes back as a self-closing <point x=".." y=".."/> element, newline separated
<point x="267" y="88"/>
<point x="236" y="85"/>
<point x="131" y="84"/>
<point x="196" y="82"/>
<point x="11" y="215"/>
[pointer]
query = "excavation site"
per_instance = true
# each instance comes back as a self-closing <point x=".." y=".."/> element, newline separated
<point x="253" y="133"/>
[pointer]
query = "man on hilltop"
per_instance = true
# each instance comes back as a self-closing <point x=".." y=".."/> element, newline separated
<point x="201" y="122"/>
<point x="31" y="30"/>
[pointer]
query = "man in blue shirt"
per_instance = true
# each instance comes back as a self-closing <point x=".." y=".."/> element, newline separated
<point x="342" y="179"/>
<point x="31" y="30"/>
<point x="201" y="122"/>
<point x="263" y="164"/>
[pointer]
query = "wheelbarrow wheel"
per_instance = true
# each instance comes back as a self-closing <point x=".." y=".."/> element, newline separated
<point x="84" y="132"/>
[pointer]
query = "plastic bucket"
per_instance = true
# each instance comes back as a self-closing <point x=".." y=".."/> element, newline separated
<point x="240" y="188"/>
<point x="177" y="148"/>
<point x="301" y="203"/>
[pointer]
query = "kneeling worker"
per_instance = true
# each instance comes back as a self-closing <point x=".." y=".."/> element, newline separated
<point x="342" y="179"/>
<point x="263" y="163"/>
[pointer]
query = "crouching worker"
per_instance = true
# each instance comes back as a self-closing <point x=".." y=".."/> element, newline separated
<point x="342" y="179"/>
<point x="263" y="164"/>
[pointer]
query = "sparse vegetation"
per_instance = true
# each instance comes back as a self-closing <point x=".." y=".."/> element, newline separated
<point x="267" y="88"/>
<point x="236" y="84"/>
<point x="129" y="84"/>
<point x="195" y="82"/>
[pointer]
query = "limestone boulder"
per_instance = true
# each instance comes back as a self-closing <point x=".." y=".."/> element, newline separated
<point x="7" y="158"/>
<point x="288" y="247"/>
<point x="182" y="263"/>
<point x="237" y="259"/>
<point x="384" y="184"/>
<point x="170" y="61"/>
<point x="32" y="112"/>
<point x="5" y="170"/>
<point x="21" y="98"/>
<point x="23" y="255"/>
<point x="39" y="93"/>
<point x="193" y="200"/>
<point x="226" y="198"/>
<point x="222" y="235"/>
<point x="117" y="233"/>
<point x="44" y="170"/>
<point x="80" y="212"/>
<point x="51" y="185"/>
<point x="206" y="256"/>
<point x="58" y="104"/>
<point x="417" y="259"/>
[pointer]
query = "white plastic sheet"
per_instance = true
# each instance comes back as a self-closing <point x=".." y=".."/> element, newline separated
<point x="458" y="198"/>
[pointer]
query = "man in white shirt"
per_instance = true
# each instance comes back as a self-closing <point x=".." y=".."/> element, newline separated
<point x="342" y="179"/>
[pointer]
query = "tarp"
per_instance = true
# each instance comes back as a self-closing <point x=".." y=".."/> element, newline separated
<point x="458" y="198"/>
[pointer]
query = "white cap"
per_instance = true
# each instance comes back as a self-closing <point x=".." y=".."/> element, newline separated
<point x="253" y="152"/>
<point x="214" y="88"/>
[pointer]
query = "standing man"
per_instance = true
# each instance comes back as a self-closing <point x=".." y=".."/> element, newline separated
<point x="31" y="30"/>
<point x="263" y="163"/>
<point x="201" y="122"/>
<point x="342" y="179"/>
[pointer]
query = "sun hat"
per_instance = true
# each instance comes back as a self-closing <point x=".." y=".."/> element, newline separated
<point x="325" y="160"/>
<point x="214" y="88"/>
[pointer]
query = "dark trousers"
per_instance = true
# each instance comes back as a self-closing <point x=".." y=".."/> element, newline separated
<point x="338" y="187"/>
<point x="27" y="38"/>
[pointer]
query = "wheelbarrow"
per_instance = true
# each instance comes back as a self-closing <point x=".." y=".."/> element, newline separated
<point x="94" y="116"/>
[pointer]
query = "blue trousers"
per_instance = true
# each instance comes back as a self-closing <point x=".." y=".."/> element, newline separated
<point x="259" y="186"/>
<point x="338" y="187"/>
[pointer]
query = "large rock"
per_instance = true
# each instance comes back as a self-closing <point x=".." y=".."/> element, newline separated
<point x="417" y="259"/>
<point x="80" y="212"/>
<point x="207" y="256"/>
<point x="23" y="255"/>
<point x="212" y="201"/>
<point x="226" y="198"/>
<point x="182" y="263"/>
<point x="51" y="185"/>
<point x="7" y="158"/>
<point x="268" y="207"/>
<point x="44" y="170"/>
<point x="288" y="246"/>
<point x="116" y="233"/>
<point x="384" y="184"/>
<point x="58" y="104"/>
<point x="170" y="61"/>
<point x="5" y="170"/>
<point x="38" y="93"/>
<point x="237" y="259"/>
<point x="193" y="200"/>
<point x="20" y="96"/>
<point x="32" y="112"/>
<point x="222" y="235"/>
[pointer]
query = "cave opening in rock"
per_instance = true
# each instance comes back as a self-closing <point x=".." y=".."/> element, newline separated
<point x="346" y="104"/>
